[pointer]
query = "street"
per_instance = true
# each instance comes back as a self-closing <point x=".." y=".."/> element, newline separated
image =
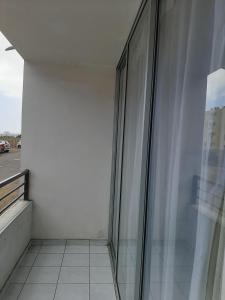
<point x="9" y="164"/>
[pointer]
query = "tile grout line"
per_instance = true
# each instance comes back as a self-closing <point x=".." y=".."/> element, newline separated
<point x="60" y="270"/>
<point x="30" y="268"/>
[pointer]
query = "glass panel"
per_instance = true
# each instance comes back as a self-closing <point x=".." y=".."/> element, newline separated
<point x="134" y="155"/>
<point x="186" y="236"/>
<point x="119" y="144"/>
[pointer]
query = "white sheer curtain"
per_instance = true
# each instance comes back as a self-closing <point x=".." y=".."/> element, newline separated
<point x="187" y="242"/>
<point x="210" y="238"/>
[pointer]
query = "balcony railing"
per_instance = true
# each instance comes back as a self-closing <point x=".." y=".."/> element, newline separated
<point x="10" y="189"/>
<point x="207" y="192"/>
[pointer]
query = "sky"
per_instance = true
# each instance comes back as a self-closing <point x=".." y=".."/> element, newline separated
<point x="216" y="89"/>
<point x="11" y="86"/>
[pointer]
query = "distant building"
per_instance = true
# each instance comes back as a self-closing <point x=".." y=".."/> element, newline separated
<point x="214" y="129"/>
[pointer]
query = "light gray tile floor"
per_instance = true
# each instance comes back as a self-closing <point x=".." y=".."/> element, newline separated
<point x="13" y="291"/>
<point x="48" y="260"/>
<point x="99" y="260"/>
<point x="102" y="291"/>
<point x="74" y="275"/>
<point x="72" y="291"/>
<point x="20" y="275"/>
<point x="37" y="292"/>
<point x="101" y="275"/>
<point x="75" y="260"/>
<point x="63" y="270"/>
<point x="43" y="275"/>
<point x="77" y="246"/>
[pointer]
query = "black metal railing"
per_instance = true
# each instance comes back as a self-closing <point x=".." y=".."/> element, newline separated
<point x="208" y="192"/>
<point x="25" y="175"/>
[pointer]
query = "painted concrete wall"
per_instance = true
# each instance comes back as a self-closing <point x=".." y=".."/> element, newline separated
<point x="67" y="129"/>
<point x="15" y="233"/>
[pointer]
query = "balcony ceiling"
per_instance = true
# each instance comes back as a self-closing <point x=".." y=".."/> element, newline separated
<point x="78" y="32"/>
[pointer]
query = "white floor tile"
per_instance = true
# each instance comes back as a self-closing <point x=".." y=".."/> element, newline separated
<point x="101" y="275"/>
<point x="102" y="291"/>
<point x="74" y="275"/>
<point x="12" y="291"/>
<point x="28" y="260"/>
<point x="98" y="249"/>
<point x="52" y="249"/>
<point x="20" y="275"/>
<point x="72" y="292"/>
<point x="43" y="275"/>
<point x="53" y="246"/>
<point x="77" y="246"/>
<point x="75" y="260"/>
<point x="99" y="260"/>
<point x="38" y="292"/>
<point x="48" y="260"/>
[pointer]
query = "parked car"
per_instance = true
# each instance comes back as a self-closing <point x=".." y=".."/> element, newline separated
<point x="5" y="146"/>
<point x="2" y="146"/>
<point x="19" y="145"/>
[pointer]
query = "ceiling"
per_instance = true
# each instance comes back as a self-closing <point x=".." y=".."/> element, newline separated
<point x="77" y="32"/>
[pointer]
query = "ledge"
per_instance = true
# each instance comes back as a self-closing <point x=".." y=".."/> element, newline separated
<point x="12" y="213"/>
<point x="15" y="234"/>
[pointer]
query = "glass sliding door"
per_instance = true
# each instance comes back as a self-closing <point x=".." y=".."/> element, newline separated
<point x="133" y="171"/>
<point x="133" y="109"/>
<point x="121" y="73"/>
<point x="186" y="205"/>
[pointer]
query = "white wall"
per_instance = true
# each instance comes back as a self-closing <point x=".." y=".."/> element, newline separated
<point x="67" y="133"/>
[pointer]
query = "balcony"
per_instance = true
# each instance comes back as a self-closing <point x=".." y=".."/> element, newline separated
<point x="47" y="269"/>
<point x="125" y="197"/>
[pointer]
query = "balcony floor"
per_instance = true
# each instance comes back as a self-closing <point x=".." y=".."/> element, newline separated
<point x="63" y="270"/>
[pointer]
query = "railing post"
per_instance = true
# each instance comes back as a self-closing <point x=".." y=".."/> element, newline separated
<point x="27" y="185"/>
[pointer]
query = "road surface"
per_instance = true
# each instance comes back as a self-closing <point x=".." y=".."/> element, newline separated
<point x="9" y="164"/>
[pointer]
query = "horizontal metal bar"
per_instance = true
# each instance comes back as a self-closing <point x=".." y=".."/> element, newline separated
<point x="13" y="178"/>
<point x="12" y="191"/>
<point x="11" y="203"/>
<point x="210" y="193"/>
<point x="200" y="179"/>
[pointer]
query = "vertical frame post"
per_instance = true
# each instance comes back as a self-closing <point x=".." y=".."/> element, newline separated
<point x="27" y="185"/>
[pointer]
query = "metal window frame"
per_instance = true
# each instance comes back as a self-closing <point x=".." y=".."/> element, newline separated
<point x="123" y="65"/>
<point x="150" y="96"/>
